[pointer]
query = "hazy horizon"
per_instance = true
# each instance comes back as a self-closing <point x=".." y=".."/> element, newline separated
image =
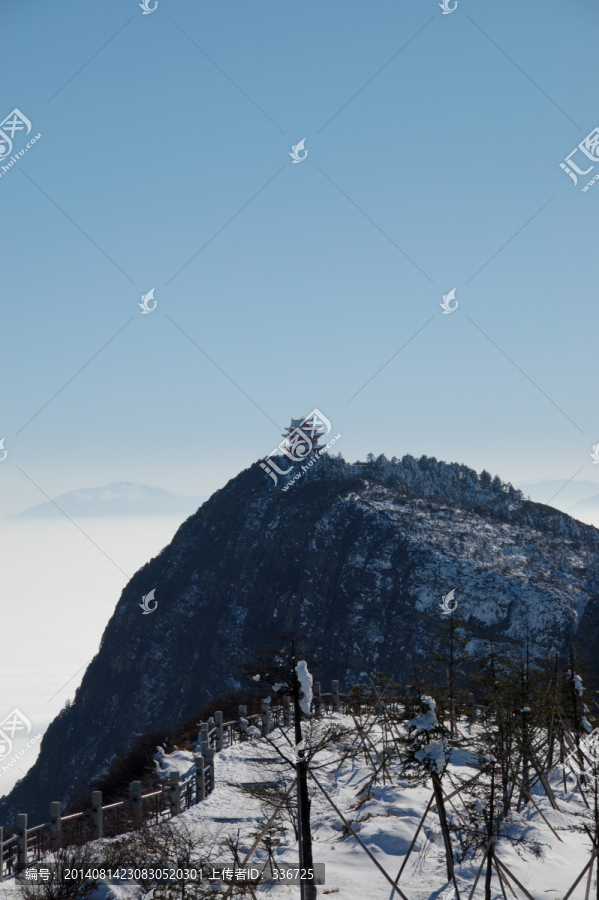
<point x="57" y="610"/>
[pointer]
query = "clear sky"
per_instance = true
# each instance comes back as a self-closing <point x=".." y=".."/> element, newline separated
<point x="434" y="144"/>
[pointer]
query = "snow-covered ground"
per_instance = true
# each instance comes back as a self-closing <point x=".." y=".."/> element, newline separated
<point x="386" y="818"/>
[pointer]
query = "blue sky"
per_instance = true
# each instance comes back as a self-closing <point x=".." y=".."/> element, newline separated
<point x="441" y="172"/>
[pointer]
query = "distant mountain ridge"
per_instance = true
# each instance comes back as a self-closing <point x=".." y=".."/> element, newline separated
<point x="354" y="557"/>
<point x="588" y="506"/>
<point x="563" y="494"/>
<point x="120" y="498"/>
<point x="577" y="498"/>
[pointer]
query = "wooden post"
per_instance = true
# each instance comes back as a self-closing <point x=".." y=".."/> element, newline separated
<point x="200" y="777"/>
<point x="335" y="686"/>
<point x="209" y="765"/>
<point x="265" y="719"/>
<point x="55" y="825"/>
<point x="218" y="720"/>
<point x="286" y="710"/>
<point x="137" y="804"/>
<point x="97" y="817"/>
<point x="317" y="699"/>
<point x="21" y="842"/>
<point x="174" y="794"/>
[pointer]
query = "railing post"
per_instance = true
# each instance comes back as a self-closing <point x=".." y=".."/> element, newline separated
<point x="265" y="719"/>
<point x="317" y="699"/>
<point x="55" y="825"/>
<point x="21" y="842"/>
<point x="204" y="737"/>
<point x="243" y="724"/>
<point x="97" y="817"/>
<point x="1" y="856"/>
<point x="174" y="794"/>
<point x="200" y="777"/>
<point x="335" y="686"/>
<point x="286" y="710"/>
<point x="137" y="804"/>
<point x="209" y="764"/>
<point x="218" y="721"/>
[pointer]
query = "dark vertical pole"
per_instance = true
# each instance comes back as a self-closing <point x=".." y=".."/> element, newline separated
<point x="451" y="701"/>
<point x="300" y="836"/>
<point x="308" y="890"/>
<point x="596" y="836"/>
<point x="490" y="837"/>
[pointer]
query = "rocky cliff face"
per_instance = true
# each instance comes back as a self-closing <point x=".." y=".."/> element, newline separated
<point x="356" y="558"/>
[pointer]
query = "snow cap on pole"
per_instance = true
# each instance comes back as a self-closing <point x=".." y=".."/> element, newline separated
<point x="305" y="680"/>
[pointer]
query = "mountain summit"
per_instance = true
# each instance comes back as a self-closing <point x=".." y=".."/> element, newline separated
<point x="355" y="557"/>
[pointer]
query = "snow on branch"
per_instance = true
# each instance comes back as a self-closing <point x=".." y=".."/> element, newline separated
<point x="425" y="721"/>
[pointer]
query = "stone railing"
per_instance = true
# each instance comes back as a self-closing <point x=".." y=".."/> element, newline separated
<point x="29" y="845"/>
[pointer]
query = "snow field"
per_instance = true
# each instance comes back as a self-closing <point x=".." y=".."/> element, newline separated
<point x="385" y="817"/>
<point x="387" y="822"/>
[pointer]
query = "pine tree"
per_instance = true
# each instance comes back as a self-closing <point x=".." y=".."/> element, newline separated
<point x="426" y="757"/>
<point x="452" y="659"/>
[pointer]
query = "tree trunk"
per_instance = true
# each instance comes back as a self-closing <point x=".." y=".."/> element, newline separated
<point x="525" y="791"/>
<point x="444" y="826"/>
<point x="451" y="703"/>
<point x="490" y="836"/>
<point x="596" y="841"/>
<point x="489" y="874"/>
